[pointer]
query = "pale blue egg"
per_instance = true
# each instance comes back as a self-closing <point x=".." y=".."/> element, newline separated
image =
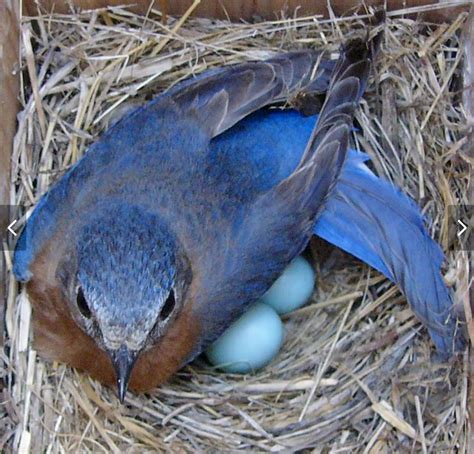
<point x="249" y="343"/>
<point x="293" y="288"/>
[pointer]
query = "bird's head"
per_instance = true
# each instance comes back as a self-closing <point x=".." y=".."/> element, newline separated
<point x="128" y="284"/>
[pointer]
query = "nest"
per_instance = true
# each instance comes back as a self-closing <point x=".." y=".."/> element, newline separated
<point x="356" y="372"/>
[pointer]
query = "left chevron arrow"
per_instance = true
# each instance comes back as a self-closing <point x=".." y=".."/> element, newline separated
<point x="10" y="229"/>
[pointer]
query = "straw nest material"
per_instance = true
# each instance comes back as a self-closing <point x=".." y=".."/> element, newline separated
<point x="356" y="371"/>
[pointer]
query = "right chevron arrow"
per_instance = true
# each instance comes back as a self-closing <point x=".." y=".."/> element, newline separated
<point x="463" y="228"/>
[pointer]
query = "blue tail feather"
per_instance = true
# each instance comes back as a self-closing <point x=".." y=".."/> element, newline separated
<point x="373" y="220"/>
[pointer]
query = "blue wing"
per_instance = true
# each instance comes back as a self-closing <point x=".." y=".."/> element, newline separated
<point x="365" y="215"/>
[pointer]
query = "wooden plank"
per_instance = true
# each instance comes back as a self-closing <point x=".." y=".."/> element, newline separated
<point x="248" y="9"/>
<point x="9" y="89"/>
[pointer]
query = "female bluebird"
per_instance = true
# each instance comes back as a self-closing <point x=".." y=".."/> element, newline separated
<point x="186" y="210"/>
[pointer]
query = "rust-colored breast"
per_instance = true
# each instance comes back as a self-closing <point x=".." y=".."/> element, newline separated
<point x="58" y="337"/>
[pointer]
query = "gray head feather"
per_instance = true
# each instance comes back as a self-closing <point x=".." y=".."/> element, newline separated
<point x="126" y="262"/>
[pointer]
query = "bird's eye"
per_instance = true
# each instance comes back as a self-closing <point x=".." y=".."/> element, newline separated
<point x="168" y="306"/>
<point x="82" y="304"/>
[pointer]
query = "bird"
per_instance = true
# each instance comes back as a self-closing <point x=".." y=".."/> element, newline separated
<point x="187" y="209"/>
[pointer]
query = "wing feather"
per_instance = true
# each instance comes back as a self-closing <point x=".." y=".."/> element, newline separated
<point x="251" y="86"/>
<point x="254" y="245"/>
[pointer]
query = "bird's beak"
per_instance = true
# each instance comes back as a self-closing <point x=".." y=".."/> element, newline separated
<point x="123" y="360"/>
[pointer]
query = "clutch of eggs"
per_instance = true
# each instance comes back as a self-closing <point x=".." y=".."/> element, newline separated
<point x="253" y="340"/>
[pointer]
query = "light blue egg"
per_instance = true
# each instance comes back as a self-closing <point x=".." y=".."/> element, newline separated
<point x="249" y="343"/>
<point x="293" y="288"/>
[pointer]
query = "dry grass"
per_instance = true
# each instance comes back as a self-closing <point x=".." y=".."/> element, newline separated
<point x="355" y="373"/>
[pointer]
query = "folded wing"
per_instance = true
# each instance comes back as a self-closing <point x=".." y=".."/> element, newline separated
<point x="257" y="240"/>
